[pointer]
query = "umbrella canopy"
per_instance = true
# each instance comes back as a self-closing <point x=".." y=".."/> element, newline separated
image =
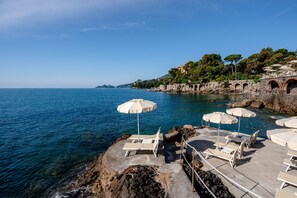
<point x="286" y="67"/>
<point x="292" y="61"/>
<point x="276" y="65"/>
<point x="288" y="122"/>
<point x="240" y="112"/>
<point x="268" y="67"/>
<point x="219" y="118"/>
<point x="284" y="137"/>
<point x="137" y="106"/>
<point x="270" y="70"/>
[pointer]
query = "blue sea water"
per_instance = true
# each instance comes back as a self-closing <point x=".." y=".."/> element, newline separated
<point x="48" y="134"/>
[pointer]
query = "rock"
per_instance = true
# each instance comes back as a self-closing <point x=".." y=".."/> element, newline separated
<point x="281" y="104"/>
<point x="188" y="126"/>
<point x="138" y="181"/>
<point x="213" y="182"/>
<point x="97" y="181"/>
<point x="176" y="133"/>
<point x="244" y="103"/>
<point x="257" y="104"/>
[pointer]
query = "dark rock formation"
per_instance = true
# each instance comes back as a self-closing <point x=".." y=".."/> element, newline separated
<point x="213" y="182"/>
<point x="86" y="184"/>
<point x="176" y="133"/>
<point x="137" y="181"/>
<point x="244" y="103"/>
<point x="280" y="103"/>
<point x="257" y="105"/>
<point x="99" y="180"/>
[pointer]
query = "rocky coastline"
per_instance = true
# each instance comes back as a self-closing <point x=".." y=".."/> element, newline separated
<point x="227" y="87"/>
<point x="101" y="179"/>
<point x="256" y="95"/>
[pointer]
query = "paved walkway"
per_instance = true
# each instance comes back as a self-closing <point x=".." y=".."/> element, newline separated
<point x="257" y="171"/>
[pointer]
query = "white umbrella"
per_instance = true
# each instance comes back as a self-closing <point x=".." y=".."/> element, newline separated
<point x="284" y="137"/>
<point x="276" y="65"/>
<point x="137" y="106"/>
<point x="270" y="70"/>
<point x="292" y="61"/>
<point x="268" y="67"/>
<point x="288" y="122"/>
<point x="286" y="67"/>
<point x="240" y="112"/>
<point x="219" y="118"/>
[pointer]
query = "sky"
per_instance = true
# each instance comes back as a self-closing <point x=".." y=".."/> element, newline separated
<point x="85" y="43"/>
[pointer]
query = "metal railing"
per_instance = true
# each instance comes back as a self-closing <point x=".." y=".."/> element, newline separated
<point x="214" y="168"/>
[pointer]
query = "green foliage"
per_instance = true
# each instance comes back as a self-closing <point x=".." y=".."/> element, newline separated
<point x="256" y="79"/>
<point x="212" y="68"/>
<point x="233" y="58"/>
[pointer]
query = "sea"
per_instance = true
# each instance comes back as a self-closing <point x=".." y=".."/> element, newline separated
<point x="48" y="135"/>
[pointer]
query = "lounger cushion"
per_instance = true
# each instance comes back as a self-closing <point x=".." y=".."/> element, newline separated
<point x="132" y="137"/>
<point x="226" y="145"/>
<point x="284" y="194"/>
<point x="218" y="153"/>
<point x="292" y="153"/>
<point x="290" y="179"/>
<point x="138" y="146"/>
<point x="290" y="163"/>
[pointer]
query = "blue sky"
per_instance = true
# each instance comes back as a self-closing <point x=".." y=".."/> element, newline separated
<point x="84" y="43"/>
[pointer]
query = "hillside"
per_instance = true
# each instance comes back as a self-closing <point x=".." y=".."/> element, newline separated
<point x="211" y="67"/>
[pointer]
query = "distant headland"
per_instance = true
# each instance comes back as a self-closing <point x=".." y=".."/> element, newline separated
<point x="129" y="85"/>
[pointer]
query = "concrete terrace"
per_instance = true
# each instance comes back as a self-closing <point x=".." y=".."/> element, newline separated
<point x="257" y="170"/>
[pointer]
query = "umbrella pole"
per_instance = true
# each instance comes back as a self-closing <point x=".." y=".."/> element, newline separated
<point x="238" y="126"/>
<point x="218" y="135"/>
<point x="138" y="122"/>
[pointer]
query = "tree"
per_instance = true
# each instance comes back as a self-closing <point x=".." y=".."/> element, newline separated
<point x="233" y="59"/>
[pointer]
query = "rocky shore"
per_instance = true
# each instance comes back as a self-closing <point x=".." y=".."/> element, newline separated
<point x="277" y="94"/>
<point x="227" y="87"/>
<point x="112" y="175"/>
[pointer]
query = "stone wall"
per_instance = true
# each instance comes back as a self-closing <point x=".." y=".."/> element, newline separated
<point x="238" y="86"/>
<point x="280" y="94"/>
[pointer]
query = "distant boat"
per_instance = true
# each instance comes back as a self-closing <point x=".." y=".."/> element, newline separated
<point x="276" y="117"/>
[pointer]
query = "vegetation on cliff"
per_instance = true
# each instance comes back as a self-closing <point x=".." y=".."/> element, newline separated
<point x="211" y="67"/>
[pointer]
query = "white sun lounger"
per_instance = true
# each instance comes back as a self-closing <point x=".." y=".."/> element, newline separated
<point x="287" y="178"/>
<point x="290" y="164"/>
<point x="232" y="158"/>
<point x="292" y="154"/>
<point x="145" y="137"/>
<point x="128" y="147"/>
<point x="284" y="194"/>
<point x="232" y="147"/>
<point x="250" y="140"/>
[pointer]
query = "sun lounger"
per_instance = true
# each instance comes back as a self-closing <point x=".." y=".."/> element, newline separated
<point x="250" y="140"/>
<point x="292" y="154"/>
<point x="128" y="147"/>
<point x="284" y="194"/>
<point x="232" y="158"/>
<point x="287" y="178"/>
<point x="143" y="137"/>
<point x="232" y="147"/>
<point x="290" y="164"/>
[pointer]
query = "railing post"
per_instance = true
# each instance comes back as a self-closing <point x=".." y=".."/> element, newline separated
<point x="181" y="150"/>
<point x="193" y="175"/>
